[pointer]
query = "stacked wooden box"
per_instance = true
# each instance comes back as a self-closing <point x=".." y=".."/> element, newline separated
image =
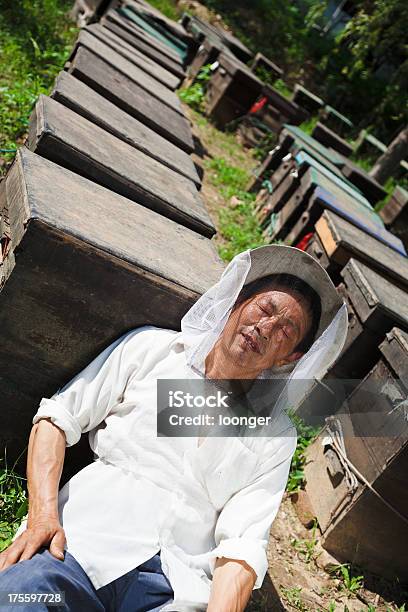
<point x="103" y="228"/>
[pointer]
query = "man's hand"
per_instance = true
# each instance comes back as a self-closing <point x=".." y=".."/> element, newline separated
<point x="45" y="459"/>
<point x="44" y="531"/>
<point x="233" y="581"/>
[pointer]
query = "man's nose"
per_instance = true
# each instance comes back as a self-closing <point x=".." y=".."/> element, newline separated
<point x="265" y="327"/>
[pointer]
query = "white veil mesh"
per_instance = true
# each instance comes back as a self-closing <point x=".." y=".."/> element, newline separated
<point x="202" y="325"/>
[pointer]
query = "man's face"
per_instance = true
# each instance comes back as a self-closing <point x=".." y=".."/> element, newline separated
<point x="265" y="329"/>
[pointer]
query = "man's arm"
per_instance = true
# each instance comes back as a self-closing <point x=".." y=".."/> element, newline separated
<point x="232" y="586"/>
<point x="46" y="452"/>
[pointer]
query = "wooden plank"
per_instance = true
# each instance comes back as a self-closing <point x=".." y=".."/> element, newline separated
<point x="133" y="55"/>
<point x="136" y="74"/>
<point x="342" y="241"/>
<point x="131" y="98"/>
<point x="72" y="141"/>
<point x="80" y="98"/>
<point x="379" y="303"/>
<point x="90" y="266"/>
<point x="334" y="120"/>
<point x="288" y="110"/>
<point x="231" y="91"/>
<point x="172" y="26"/>
<point x="330" y="139"/>
<point x="116" y="17"/>
<point x="305" y="160"/>
<point x="263" y="63"/>
<point x="313" y="147"/>
<point x="367" y="185"/>
<point x="115" y="24"/>
<point x="306" y="99"/>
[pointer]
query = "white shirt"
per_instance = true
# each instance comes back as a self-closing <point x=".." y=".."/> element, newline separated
<point x="145" y="493"/>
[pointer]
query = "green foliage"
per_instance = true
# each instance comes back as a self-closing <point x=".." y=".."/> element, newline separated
<point x="309" y="125"/>
<point x="293" y="597"/>
<point x="13" y="502"/>
<point x="167" y="7"/>
<point x="35" y="40"/>
<point x="282" y="88"/>
<point x="351" y="583"/>
<point x="306" y="435"/>
<point x="237" y="224"/>
<point x="195" y="94"/>
<point x="306" y="548"/>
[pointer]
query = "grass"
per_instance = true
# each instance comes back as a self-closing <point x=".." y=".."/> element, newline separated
<point x="238" y="226"/>
<point x="36" y="37"/>
<point x="13" y="502"/>
<point x="282" y="88"/>
<point x="306" y="548"/>
<point x="306" y="435"/>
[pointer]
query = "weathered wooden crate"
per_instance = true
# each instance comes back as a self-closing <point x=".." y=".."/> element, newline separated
<point x="89" y="265"/>
<point x="80" y="98"/>
<point x="395" y="214"/>
<point x="372" y="190"/>
<point x="306" y="99"/>
<point x="319" y="191"/>
<point x="161" y="33"/>
<point x="271" y="163"/>
<point x="144" y="43"/>
<point x="135" y="73"/>
<point x="231" y="91"/>
<point x="202" y="29"/>
<point x="109" y="38"/>
<point x="207" y="53"/>
<point x="330" y="139"/>
<point x="59" y="134"/>
<point x="334" y="120"/>
<point x="340" y="241"/>
<point x="146" y="9"/>
<point x="132" y="98"/>
<point x="286" y="111"/>
<point x="299" y="139"/>
<point x="358" y="526"/>
<point x="263" y="65"/>
<point x="368" y="146"/>
<point x="378" y="305"/>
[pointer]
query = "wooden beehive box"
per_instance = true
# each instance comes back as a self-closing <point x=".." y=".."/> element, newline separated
<point x="358" y="526"/>
<point x="340" y="241"/>
<point x="131" y="54"/>
<point x="84" y="101"/>
<point x="299" y="139"/>
<point x="286" y="111"/>
<point x="330" y="139"/>
<point x="395" y="214"/>
<point x="306" y="99"/>
<point x="136" y="73"/>
<point x="207" y="53"/>
<point x="144" y="43"/>
<point x="378" y="305"/>
<point x="84" y="266"/>
<point x="263" y="65"/>
<point x="322" y="190"/>
<point x="128" y="95"/>
<point x="372" y="190"/>
<point x="231" y="91"/>
<point x="70" y="140"/>
<point x="334" y="120"/>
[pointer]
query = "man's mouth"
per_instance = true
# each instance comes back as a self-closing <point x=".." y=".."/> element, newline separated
<point x="253" y="344"/>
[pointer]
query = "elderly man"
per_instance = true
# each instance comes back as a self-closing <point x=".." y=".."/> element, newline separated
<point x="175" y="523"/>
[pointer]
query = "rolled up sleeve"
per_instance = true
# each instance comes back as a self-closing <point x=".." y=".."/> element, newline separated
<point x="243" y="526"/>
<point x="86" y="400"/>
